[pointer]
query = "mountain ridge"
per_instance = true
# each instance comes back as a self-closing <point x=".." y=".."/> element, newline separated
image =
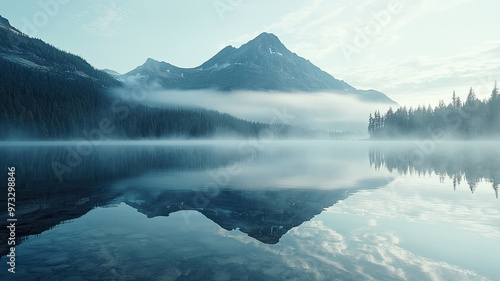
<point x="262" y="64"/>
<point x="47" y="93"/>
<point x="4" y="23"/>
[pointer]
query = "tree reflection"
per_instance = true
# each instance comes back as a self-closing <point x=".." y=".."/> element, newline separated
<point x="470" y="163"/>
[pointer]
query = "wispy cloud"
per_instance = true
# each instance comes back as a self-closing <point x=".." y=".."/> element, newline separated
<point x="106" y="17"/>
<point x="428" y="76"/>
<point x="365" y="253"/>
<point x="422" y="205"/>
<point x="321" y="30"/>
<point x="323" y="110"/>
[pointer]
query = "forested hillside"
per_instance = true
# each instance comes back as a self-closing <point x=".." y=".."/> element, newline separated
<point x="40" y="105"/>
<point x="46" y="93"/>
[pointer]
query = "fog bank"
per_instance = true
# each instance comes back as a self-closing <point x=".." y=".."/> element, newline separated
<point x="323" y="110"/>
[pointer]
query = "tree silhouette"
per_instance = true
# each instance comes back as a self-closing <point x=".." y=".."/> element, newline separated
<point x="464" y="120"/>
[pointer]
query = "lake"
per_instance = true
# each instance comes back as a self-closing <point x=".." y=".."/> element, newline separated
<point x="253" y="210"/>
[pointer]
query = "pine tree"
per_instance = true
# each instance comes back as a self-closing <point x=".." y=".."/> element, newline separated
<point x="459" y="103"/>
<point x="371" y="125"/>
<point x="494" y="93"/>
<point x="471" y="97"/>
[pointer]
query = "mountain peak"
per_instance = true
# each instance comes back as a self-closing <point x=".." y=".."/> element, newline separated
<point x="220" y="57"/>
<point x="264" y="45"/>
<point x="267" y="36"/>
<point x="154" y="64"/>
<point x="262" y="64"/>
<point x="266" y="40"/>
<point x="151" y="61"/>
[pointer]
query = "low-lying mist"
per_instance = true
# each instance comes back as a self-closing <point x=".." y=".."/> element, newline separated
<point x="322" y="110"/>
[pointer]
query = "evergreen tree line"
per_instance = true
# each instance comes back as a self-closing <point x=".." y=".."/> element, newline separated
<point x="40" y="105"/>
<point x="36" y="104"/>
<point x="472" y="118"/>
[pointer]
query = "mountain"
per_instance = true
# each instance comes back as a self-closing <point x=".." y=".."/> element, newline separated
<point x="5" y="24"/>
<point x="46" y="93"/>
<point x="262" y="64"/>
<point x="265" y="215"/>
<point x="113" y="73"/>
<point x="36" y="55"/>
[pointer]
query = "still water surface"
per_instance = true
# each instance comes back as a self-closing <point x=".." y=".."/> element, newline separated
<point x="254" y="211"/>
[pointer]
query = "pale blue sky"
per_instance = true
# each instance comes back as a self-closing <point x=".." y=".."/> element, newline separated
<point x="415" y="51"/>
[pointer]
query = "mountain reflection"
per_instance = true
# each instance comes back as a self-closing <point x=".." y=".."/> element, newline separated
<point x="461" y="162"/>
<point x="43" y="200"/>
<point x="265" y="215"/>
<point x="271" y="197"/>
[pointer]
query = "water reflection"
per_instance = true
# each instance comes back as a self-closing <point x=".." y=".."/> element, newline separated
<point x="294" y="211"/>
<point x="275" y="189"/>
<point x="71" y="163"/>
<point x="44" y="200"/>
<point x="472" y="162"/>
<point x="265" y="215"/>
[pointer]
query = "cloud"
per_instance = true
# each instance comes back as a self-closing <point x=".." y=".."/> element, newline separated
<point x="106" y="17"/>
<point x="320" y="31"/>
<point x="363" y="253"/>
<point x="315" y="23"/>
<point x="327" y="110"/>
<point x="413" y="206"/>
<point x="428" y="78"/>
<point x="413" y="10"/>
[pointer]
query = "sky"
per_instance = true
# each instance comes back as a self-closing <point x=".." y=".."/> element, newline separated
<point x="416" y="52"/>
